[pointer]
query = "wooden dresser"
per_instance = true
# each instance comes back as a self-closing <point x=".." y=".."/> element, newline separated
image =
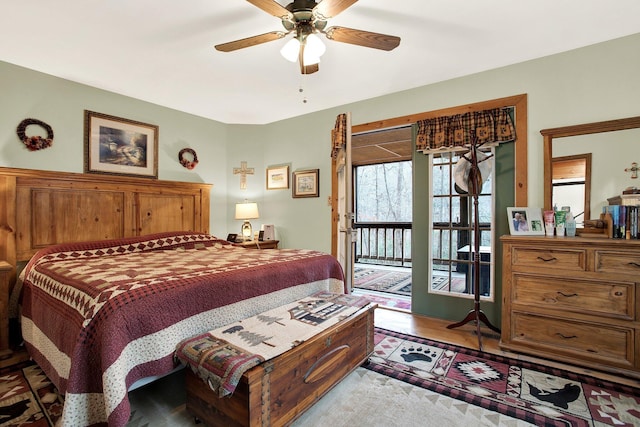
<point x="573" y="299"/>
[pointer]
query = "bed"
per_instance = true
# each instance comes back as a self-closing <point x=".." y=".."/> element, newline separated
<point x="101" y="313"/>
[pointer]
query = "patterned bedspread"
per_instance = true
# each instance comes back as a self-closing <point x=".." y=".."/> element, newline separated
<point x="98" y="316"/>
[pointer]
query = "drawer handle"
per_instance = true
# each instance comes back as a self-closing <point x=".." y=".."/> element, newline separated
<point x="566" y="337"/>
<point x="547" y="259"/>
<point x="325" y="364"/>
<point x="635" y="264"/>
<point x="567" y="295"/>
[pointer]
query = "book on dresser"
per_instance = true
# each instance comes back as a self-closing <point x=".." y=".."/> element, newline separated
<point x="625" y="220"/>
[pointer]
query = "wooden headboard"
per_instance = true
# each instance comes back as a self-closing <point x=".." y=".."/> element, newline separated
<point x="41" y="208"/>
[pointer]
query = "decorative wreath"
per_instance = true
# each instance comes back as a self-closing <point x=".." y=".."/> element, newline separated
<point x="189" y="164"/>
<point x="36" y="142"/>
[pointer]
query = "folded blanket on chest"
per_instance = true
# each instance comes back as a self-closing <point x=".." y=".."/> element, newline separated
<point x="221" y="356"/>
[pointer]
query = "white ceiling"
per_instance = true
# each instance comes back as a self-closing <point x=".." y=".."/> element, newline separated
<point x="161" y="51"/>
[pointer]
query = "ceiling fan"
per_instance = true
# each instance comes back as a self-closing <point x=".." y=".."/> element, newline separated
<point x="306" y="19"/>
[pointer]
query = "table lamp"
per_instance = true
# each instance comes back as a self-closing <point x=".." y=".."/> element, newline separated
<point x="246" y="211"/>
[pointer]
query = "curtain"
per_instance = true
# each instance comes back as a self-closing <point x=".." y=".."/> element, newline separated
<point x="452" y="133"/>
<point x="339" y="135"/>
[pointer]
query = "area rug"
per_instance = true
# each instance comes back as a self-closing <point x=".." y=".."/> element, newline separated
<point x="537" y="394"/>
<point x="409" y="381"/>
<point x="27" y="397"/>
<point x="390" y="302"/>
<point x="382" y="280"/>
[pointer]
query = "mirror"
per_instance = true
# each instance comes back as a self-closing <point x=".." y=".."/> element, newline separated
<point x="610" y="154"/>
<point x="571" y="182"/>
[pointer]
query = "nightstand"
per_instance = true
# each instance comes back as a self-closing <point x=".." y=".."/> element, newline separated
<point x="255" y="244"/>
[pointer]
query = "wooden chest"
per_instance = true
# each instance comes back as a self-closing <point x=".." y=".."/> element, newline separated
<point x="278" y="391"/>
<point x="576" y="300"/>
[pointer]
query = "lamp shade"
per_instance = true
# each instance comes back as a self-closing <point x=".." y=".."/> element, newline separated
<point x="290" y="50"/>
<point x="313" y="49"/>
<point x="314" y="46"/>
<point x="247" y="210"/>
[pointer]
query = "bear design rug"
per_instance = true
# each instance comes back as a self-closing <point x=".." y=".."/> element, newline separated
<point x="534" y="393"/>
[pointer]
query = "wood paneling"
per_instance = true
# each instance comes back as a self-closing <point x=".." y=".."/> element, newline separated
<point x="161" y="212"/>
<point x="392" y="145"/>
<point x="58" y="207"/>
<point x="569" y="169"/>
<point x="82" y="215"/>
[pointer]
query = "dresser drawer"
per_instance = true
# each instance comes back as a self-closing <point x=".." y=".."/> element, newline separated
<point x="617" y="262"/>
<point x="610" y="299"/>
<point x="568" y="260"/>
<point x="607" y="344"/>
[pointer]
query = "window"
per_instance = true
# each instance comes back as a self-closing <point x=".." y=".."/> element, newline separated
<point x="383" y="192"/>
<point x="383" y="213"/>
<point x="452" y="237"/>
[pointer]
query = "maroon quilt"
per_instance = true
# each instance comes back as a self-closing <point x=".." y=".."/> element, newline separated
<point x="98" y="316"/>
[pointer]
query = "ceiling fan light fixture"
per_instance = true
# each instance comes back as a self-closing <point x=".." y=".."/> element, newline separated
<point x="309" y="59"/>
<point x="307" y="18"/>
<point x="314" y="46"/>
<point x="290" y="50"/>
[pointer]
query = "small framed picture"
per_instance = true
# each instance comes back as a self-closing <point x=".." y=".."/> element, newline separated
<point x="305" y="183"/>
<point x="118" y="146"/>
<point x="277" y="177"/>
<point x="525" y="221"/>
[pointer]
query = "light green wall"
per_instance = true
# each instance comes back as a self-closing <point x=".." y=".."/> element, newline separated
<point x="596" y="83"/>
<point x="599" y="82"/>
<point x="61" y="104"/>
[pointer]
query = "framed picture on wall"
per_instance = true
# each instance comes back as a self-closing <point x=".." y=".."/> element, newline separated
<point x="277" y="177"/>
<point x="305" y="183"/>
<point x="525" y="221"/>
<point x="118" y="146"/>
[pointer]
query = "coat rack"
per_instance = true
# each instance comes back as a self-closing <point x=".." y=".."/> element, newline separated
<point x="475" y="185"/>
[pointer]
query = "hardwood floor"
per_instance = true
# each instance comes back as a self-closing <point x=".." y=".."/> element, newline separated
<point x="465" y="336"/>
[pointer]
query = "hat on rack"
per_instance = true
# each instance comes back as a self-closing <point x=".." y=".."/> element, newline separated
<point x="463" y="168"/>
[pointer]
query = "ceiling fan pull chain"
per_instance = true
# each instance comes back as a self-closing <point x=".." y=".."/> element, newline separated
<point x="301" y="89"/>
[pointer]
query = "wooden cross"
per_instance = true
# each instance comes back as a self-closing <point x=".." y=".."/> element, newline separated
<point x="243" y="170"/>
<point x="633" y="169"/>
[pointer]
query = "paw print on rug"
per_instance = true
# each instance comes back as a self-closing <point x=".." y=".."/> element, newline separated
<point x="412" y="354"/>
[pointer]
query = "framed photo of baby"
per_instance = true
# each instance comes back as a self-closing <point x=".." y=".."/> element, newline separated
<point x="525" y="221"/>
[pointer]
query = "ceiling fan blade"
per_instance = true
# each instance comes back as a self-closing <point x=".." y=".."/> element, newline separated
<point x="306" y="69"/>
<point x="329" y="8"/>
<point x="309" y="69"/>
<point x="362" y="38"/>
<point x="272" y="8"/>
<point x="250" y="41"/>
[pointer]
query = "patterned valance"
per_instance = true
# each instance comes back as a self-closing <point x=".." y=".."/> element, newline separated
<point x="452" y="133"/>
<point x="339" y="135"/>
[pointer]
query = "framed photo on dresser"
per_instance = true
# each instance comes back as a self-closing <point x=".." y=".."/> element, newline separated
<point x="525" y="221"/>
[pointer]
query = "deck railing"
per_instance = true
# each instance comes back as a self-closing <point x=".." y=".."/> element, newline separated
<point x="385" y="243"/>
